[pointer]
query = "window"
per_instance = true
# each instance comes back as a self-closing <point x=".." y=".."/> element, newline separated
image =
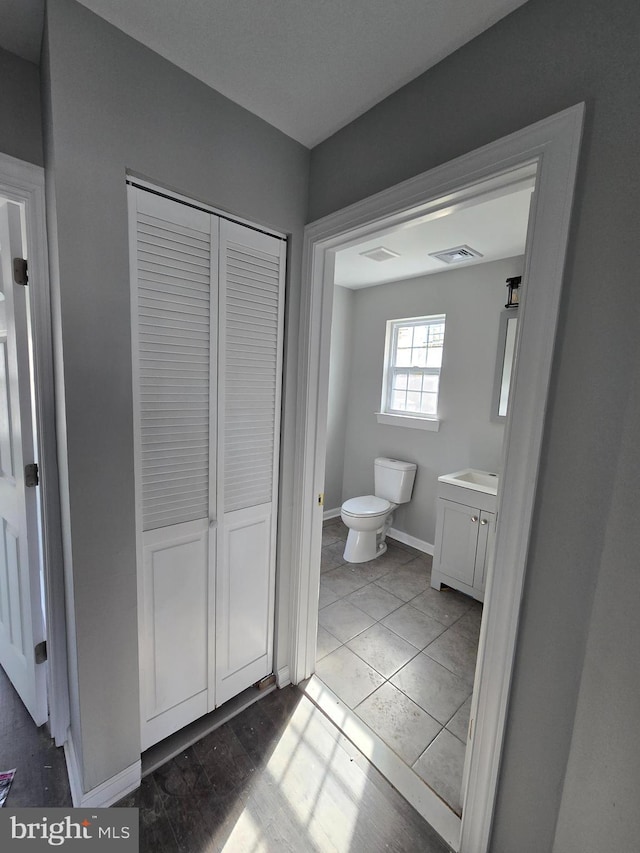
<point x="413" y="357"/>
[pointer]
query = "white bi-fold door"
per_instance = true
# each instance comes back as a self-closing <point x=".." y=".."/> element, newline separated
<point x="207" y="306"/>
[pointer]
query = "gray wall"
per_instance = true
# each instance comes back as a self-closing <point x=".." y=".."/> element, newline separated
<point x="20" y="122"/>
<point x="542" y="58"/>
<point x="602" y="788"/>
<point x="338" y="402"/>
<point x="113" y="105"/>
<point x="472" y="300"/>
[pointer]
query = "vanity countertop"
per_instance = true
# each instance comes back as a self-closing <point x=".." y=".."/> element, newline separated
<point x="472" y="478"/>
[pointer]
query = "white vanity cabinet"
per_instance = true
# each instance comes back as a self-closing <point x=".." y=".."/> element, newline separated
<point x="464" y="534"/>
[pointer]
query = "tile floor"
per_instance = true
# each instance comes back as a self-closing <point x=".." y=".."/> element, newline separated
<point x="401" y="655"/>
<point x="278" y="778"/>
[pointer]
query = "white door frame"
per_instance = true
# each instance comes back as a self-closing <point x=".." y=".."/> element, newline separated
<point x="553" y="145"/>
<point x="24" y="183"/>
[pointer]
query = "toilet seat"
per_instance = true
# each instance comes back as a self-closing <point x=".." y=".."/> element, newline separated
<point x="367" y="506"/>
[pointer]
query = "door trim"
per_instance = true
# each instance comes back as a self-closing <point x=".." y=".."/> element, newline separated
<point x="551" y="147"/>
<point x="24" y="183"/>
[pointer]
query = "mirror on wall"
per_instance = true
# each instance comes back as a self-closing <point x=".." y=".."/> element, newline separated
<point x="504" y="363"/>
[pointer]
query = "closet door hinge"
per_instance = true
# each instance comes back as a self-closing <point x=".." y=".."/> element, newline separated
<point x="20" y="271"/>
<point x="41" y="652"/>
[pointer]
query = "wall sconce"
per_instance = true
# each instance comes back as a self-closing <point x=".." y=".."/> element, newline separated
<point x="513" y="284"/>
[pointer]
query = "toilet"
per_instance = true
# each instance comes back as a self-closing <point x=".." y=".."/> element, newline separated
<point x="369" y="517"/>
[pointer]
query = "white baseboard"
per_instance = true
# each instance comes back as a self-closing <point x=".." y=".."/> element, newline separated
<point x="406" y="539"/>
<point x="106" y="793"/>
<point x="331" y="513"/>
<point x="283" y="677"/>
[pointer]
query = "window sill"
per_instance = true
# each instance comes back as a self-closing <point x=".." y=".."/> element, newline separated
<point x="432" y="424"/>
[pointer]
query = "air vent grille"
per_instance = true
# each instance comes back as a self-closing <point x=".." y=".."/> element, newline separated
<point x="380" y="254"/>
<point x="457" y="255"/>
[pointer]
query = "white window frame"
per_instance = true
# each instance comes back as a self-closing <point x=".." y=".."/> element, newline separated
<point x="397" y="417"/>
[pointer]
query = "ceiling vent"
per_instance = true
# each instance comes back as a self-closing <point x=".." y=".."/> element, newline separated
<point x="380" y="254"/>
<point x="457" y="255"/>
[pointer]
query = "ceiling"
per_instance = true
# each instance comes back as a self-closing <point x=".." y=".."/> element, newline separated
<point x="496" y="227"/>
<point x="308" y="67"/>
<point x="21" y="30"/>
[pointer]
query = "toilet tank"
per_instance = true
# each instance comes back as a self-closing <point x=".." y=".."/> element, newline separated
<point x="394" y="479"/>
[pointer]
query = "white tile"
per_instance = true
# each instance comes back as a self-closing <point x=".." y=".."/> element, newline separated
<point x="375" y="601"/>
<point x="455" y="651"/>
<point x="328" y="537"/>
<point x="329" y="559"/>
<point x="469" y="624"/>
<point x="385" y="651"/>
<point x="327" y="596"/>
<point x="414" y="626"/>
<point x="407" y="580"/>
<point x="432" y="686"/>
<point x="335" y="527"/>
<point x="350" y="678"/>
<point x="441" y="766"/>
<point x="458" y="725"/>
<point x="326" y="644"/>
<point x="445" y="605"/>
<point x="401" y="724"/>
<point x="343" y="620"/>
<point x="344" y="580"/>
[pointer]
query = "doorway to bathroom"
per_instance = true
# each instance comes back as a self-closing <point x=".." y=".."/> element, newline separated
<point x="415" y="345"/>
<point x="551" y="146"/>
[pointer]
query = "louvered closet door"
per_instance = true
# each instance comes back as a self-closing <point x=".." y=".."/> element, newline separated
<point x="251" y="287"/>
<point x="174" y="323"/>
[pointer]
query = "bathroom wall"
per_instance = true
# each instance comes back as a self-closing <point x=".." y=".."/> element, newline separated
<point x="339" y="383"/>
<point x="472" y="300"/>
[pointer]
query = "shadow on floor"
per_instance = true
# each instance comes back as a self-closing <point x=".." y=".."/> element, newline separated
<point x="278" y="777"/>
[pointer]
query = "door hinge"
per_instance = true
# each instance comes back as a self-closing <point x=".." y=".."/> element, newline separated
<point x="41" y="652"/>
<point x="31" y="475"/>
<point x="20" y="271"/>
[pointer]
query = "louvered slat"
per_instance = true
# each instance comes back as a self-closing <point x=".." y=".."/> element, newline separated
<point x="173" y="355"/>
<point x="252" y="285"/>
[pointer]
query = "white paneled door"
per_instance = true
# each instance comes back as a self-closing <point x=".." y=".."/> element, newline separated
<point x="207" y="342"/>
<point x="21" y="615"/>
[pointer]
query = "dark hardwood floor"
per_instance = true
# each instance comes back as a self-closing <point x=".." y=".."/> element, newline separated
<point x="278" y="778"/>
<point x="41" y="772"/>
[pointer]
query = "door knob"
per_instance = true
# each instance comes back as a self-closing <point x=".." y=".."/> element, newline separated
<point x="474" y="518"/>
<point x="484" y="521"/>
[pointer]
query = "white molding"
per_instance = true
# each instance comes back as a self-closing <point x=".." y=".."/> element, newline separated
<point x="24" y="183"/>
<point x="283" y="677"/>
<point x="73" y="770"/>
<point x="106" y="793"/>
<point x="406" y="421"/>
<point x="159" y="189"/>
<point x="413" y="541"/>
<point x="550" y="147"/>
<point x="424" y="800"/>
<point x="331" y="513"/>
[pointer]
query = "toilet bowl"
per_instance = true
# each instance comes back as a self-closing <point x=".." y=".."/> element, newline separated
<point x="369" y="517"/>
